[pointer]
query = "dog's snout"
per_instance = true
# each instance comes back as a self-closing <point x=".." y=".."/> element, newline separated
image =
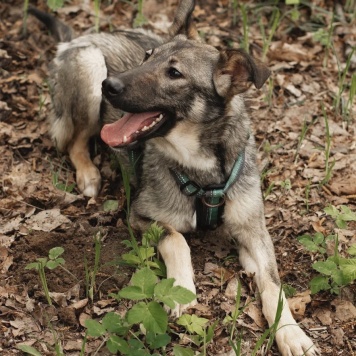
<point x="112" y="87"/>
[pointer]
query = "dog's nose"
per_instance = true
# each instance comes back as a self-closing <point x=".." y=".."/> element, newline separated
<point x="112" y="87"/>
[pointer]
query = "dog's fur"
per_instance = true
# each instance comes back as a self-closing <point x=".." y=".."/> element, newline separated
<point x="199" y="92"/>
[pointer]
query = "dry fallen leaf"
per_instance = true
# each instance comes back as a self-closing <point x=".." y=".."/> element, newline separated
<point x="80" y="304"/>
<point x="254" y="311"/>
<point x="82" y="318"/>
<point x="47" y="220"/>
<point x="297" y="304"/>
<point x="345" y="310"/>
<point x="324" y="315"/>
<point x="231" y="288"/>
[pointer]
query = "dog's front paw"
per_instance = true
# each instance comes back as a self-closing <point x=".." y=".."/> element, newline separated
<point x="89" y="181"/>
<point x="179" y="309"/>
<point x="187" y="282"/>
<point x="292" y="341"/>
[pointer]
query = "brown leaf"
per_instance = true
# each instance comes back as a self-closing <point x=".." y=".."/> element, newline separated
<point x="47" y="220"/>
<point x="82" y="318"/>
<point x="345" y="310"/>
<point x="324" y="315"/>
<point x="255" y="313"/>
<point x="298" y="303"/>
<point x="5" y="259"/>
<point x="80" y="304"/>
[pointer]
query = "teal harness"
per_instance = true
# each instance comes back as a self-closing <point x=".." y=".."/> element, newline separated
<point x="209" y="200"/>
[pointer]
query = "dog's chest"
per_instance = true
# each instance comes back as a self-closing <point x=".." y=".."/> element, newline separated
<point x="184" y="146"/>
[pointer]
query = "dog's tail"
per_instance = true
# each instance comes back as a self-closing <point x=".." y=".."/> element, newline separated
<point x="60" y="31"/>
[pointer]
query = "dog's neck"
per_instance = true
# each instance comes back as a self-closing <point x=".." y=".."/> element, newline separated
<point x="183" y="144"/>
<point x="209" y="146"/>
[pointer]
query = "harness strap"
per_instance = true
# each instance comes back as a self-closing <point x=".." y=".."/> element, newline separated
<point x="209" y="200"/>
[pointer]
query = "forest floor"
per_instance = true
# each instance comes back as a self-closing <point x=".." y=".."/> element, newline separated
<point x="300" y="177"/>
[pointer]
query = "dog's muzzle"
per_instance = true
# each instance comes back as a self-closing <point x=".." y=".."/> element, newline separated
<point x="112" y="87"/>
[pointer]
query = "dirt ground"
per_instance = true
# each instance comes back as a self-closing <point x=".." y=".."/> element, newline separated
<point x="36" y="216"/>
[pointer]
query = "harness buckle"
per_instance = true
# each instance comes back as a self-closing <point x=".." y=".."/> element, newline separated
<point x="221" y="202"/>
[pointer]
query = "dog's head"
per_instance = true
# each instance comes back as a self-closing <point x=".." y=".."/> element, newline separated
<point x="183" y="79"/>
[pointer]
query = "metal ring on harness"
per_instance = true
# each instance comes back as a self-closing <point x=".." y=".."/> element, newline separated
<point x="222" y="202"/>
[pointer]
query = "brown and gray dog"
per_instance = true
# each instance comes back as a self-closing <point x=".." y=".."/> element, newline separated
<point x="185" y="109"/>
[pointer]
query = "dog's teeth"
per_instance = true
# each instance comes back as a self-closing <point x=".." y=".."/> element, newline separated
<point x="125" y="138"/>
<point x="145" y="128"/>
<point x="160" y="117"/>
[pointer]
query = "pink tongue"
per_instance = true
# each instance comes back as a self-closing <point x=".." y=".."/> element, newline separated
<point x="113" y="134"/>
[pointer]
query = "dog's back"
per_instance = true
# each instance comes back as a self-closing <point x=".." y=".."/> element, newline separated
<point x="76" y="73"/>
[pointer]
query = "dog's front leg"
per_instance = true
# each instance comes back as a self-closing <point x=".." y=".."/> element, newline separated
<point x="244" y="219"/>
<point x="175" y="253"/>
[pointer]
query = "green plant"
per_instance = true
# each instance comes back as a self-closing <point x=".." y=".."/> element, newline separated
<point x="25" y="9"/>
<point x="286" y="185"/>
<point x="97" y="12"/>
<point x="269" y="190"/>
<point x="144" y="255"/>
<point x="341" y="216"/>
<point x="140" y="19"/>
<point x="61" y="186"/>
<point x="28" y="350"/>
<point x="57" y="176"/>
<point x="324" y="37"/>
<point x="90" y="275"/>
<point x="334" y="271"/>
<point x="270" y="333"/>
<point x="307" y="192"/>
<point x="234" y="5"/>
<point x="51" y="262"/>
<point x="118" y="332"/>
<point x="288" y="290"/>
<point x="328" y="166"/>
<point x="268" y="98"/>
<point x="273" y="24"/>
<point x="245" y="42"/>
<point x="342" y="77"/>
<point x="235" y="341"/>
<point x="55" y="4"/>
<point x="301" y="138"/>
<point x="315" y="243"/>
<point x="200" y="333"/>
<point x="236" y="345"/>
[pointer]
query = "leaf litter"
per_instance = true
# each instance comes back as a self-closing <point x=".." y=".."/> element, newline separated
<point x="35" y="216"/>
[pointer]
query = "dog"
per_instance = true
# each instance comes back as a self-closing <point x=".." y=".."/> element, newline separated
<point x="186" y="120"/>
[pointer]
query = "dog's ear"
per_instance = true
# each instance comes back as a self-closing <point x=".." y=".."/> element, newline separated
<point x="183" y="23"/>
<point x="236" y="71"/>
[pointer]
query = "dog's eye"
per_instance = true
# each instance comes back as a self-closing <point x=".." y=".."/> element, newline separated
<point x="174" y="73"/>
<point x="148" y="54"/>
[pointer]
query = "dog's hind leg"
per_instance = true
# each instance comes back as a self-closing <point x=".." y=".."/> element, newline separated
<point x="244" y="218"/>
<point x="76" y="76"/>
<point x="88" y="175"/>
